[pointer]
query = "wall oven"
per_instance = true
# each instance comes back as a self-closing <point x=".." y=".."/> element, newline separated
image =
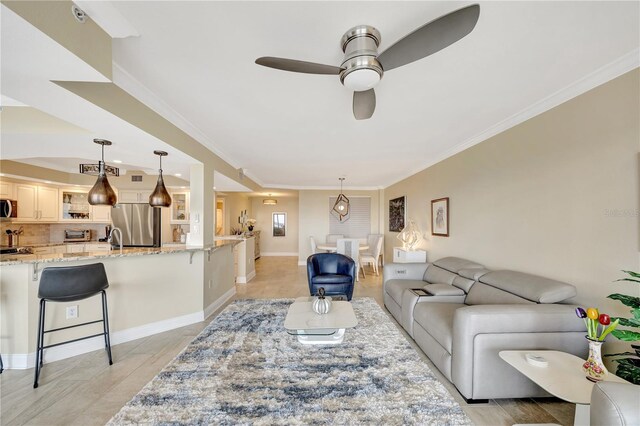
<point x="8" y="208"/>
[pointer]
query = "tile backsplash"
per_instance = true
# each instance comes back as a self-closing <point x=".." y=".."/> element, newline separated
<point x="32" y="233"/>
<point x="43" y="233"/>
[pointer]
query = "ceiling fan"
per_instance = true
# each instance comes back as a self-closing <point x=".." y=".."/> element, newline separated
<point x="362" y="67"/>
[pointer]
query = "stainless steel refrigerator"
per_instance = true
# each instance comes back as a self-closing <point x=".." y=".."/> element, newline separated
<point x="139" y="223"/>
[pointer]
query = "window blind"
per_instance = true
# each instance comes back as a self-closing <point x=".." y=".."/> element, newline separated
<point x="359" y="223"/>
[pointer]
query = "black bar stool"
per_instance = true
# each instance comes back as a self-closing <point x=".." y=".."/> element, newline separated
<point x="68" y="284"/>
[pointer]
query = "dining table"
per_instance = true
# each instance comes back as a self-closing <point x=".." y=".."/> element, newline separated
<point x="333" y="247"/>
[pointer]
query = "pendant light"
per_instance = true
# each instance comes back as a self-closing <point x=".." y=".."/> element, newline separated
<point x="160" y="197"/>
<point x="102" y="193"/>
<point x="269" y="201"/>
<point x="341" y="207"/>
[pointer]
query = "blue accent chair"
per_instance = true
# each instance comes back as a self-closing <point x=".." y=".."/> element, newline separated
<point x="335" y="272"/>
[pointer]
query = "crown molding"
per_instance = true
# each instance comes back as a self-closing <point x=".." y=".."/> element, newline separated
<point x="606" y="73"/>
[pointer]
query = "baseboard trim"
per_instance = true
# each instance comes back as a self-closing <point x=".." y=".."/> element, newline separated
<point x="217" y="304"/>
<point x="24" y="361"/>
<point x="278" y="253"/>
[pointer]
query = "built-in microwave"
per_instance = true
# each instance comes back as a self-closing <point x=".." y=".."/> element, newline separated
<point x="8" y="208"/>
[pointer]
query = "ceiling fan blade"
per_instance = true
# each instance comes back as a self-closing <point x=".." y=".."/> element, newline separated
<point x="430" y="38"/>
<point x="364" y="104"/>
<point x="297" y="66"/>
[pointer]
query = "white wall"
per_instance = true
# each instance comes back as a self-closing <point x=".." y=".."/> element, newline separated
<point x="314" y="216"/>
<point x="555" y="196"/>
<point x="276" y="246"/>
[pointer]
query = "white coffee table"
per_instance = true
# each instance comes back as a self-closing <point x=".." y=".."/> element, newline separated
<point x="563" y="377"/>
<point x="315" y="329"/>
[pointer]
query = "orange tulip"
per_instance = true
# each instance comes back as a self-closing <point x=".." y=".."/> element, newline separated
<point x="592" y="313"/>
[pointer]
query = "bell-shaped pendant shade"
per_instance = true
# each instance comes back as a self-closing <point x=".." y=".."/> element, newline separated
<point x="102" y="193"/>
<point x="160" y="196"/>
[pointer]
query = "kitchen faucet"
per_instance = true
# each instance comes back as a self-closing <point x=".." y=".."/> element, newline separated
<point x="110" y="239"/>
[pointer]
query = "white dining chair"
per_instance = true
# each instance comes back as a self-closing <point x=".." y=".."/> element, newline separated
<point x="333" y="238"/>
<point x="314" y="246"/>
<point x="372" y="238"/>
<point x="351" y="247"/>
<point x="372" y="257"/>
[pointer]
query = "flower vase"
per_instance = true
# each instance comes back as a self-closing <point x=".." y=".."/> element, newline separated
<point x="593" y="366"/>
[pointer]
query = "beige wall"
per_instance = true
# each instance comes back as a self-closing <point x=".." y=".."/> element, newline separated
<point x="234" y="203"/>
<point x="270" y="245"/>
<point x="555" y="196"/>
<point x="314" y="216"/>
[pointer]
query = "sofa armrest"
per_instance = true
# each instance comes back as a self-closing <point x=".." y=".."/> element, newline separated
<point x="404" y="271"/>
<point x="528" y="321"/>
<point x="614" y="404"/>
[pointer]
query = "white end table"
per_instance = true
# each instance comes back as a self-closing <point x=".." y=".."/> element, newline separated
<point x="563" y="377"/>
<point x="402" y="255"/>
<point x="316" y="329"/>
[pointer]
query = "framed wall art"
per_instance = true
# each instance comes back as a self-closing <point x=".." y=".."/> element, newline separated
<point x="279" y="224"/>
<point x="397" y="214"/>
<point x="440" y="217"/>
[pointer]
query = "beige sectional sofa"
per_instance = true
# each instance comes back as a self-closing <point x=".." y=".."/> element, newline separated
<point x="469" y="314"/>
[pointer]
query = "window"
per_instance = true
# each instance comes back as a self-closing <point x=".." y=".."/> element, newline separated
<point x="359" y="223"/>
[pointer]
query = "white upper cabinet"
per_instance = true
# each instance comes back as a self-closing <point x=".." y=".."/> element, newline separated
<point x="7" y="191"/>
<point x="37" y="203"/>
<point x="133" y="196"/>
<point x="180" y="207"/>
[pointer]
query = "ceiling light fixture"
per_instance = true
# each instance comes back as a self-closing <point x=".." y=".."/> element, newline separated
<point x="178" y="174"/>
<point x="117" y="161"/>
<point x="160" y="197"/>
<point x="341" y="207"/>
<point x="269" y="201"/>
<point x="102" y="193"/>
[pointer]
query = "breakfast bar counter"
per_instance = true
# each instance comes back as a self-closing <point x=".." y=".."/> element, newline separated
<point x="151" y="290"/>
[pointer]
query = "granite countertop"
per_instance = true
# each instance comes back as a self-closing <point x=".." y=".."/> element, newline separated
<point x="12" y="259"/>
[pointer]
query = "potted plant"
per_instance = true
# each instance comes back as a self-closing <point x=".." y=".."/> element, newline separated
<point x="628" y="362"/>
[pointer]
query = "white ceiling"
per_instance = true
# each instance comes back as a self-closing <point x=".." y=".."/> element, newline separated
<point x="195" y="61"/>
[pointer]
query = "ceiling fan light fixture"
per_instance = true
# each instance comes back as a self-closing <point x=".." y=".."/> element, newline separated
<point x="160" y="196"/>
<point x="101" y="194"/>
<point x="361" y="80"/>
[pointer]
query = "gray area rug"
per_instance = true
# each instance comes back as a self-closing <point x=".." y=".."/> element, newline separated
<point x="245" y="369"/>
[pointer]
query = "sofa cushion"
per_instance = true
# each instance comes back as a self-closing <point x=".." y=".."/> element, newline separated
<point x="443" y="290"/>
<point x="482" y="294"/>
<point x="434" y="274"/>
<point x="437" y="320"/>
<point x="395" y="288"/>
<point x="531" y="287"/>
<point x="473" y="274"/>
<point x="463" y="284"/>
<point x="455" y="264"/>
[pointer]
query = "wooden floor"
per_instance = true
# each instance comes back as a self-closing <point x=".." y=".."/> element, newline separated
<point x="84" y="390"/>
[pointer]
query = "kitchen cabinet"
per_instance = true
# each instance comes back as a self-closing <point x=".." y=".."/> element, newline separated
<point x="75" y="248"/>
<point x="6" y="191"/>
<point x="101" y="213"/>
<point x="75" y="207"/>
<point x="37" y="203"/>
<point x="97" y="247"/>
<point x="134" y="196"/>
<point x="179" y="208"/>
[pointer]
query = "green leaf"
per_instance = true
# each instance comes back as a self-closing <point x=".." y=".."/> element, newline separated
<point x="629" y="373"/>
<point x="631" y="301"/>
<point x="626" y="335"/>
<point x="633" y="274"/>
<point x="628" y="322"/>
<point x="628" y="279"/>
<point x="622" y="354"/>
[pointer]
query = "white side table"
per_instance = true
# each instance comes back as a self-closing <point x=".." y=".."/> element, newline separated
<point x="563" y="377"/>
<point x="402" y="255"/>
